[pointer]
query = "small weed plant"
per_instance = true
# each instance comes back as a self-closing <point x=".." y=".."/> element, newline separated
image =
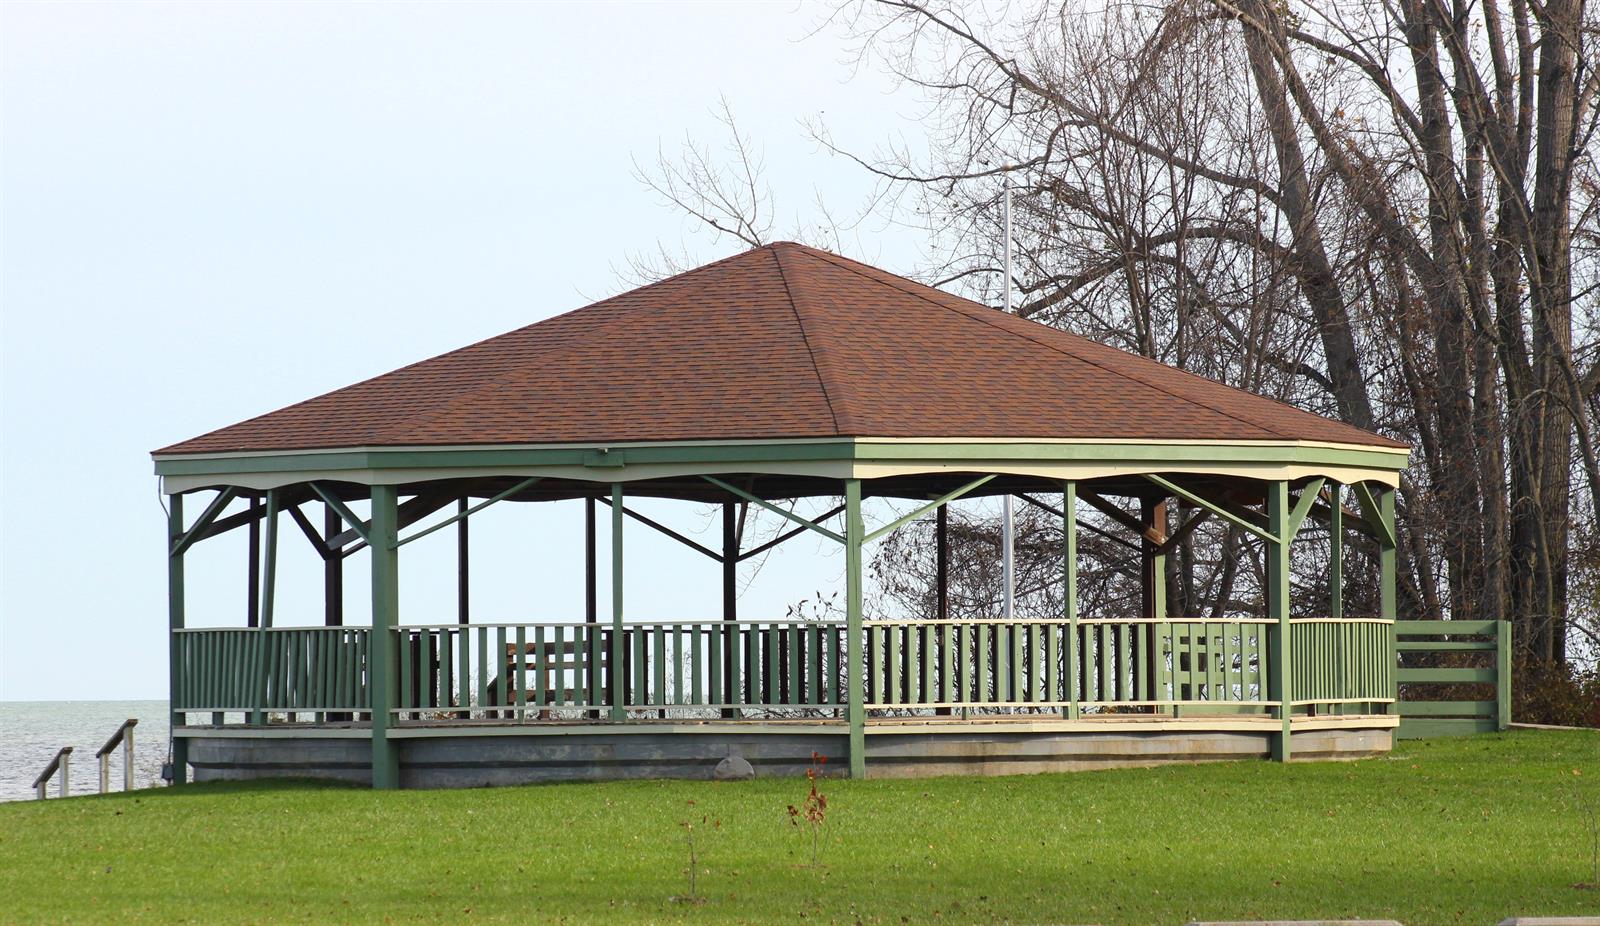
<point x="689" y="826"/>
<point x="813" y="811"/>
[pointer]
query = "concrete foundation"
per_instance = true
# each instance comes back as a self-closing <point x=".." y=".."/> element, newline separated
<point x="483" y="755"/>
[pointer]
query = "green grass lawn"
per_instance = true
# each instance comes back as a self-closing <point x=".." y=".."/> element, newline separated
<point x="1467" y="830"/>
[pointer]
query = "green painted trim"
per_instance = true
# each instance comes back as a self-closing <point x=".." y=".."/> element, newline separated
<point x="618" y="710"/>
<point x="1440" y="628"/>
<point x="1210" y="506"/>
<point x="782" y="512"/>
<point x="343" y="511"/>
<point x="385" y="618"/>
<point x="175" y="666"/>
<point x="856" y="712"/>
<point x="1502" y="676"/>
<point x="1387" y="600"/>
<point x="192" y="535"/>
<point x="1372" y="509"/>
<point x="1302" y="506"/>
<point x="1336" y="551"/>
<point x="470" y="511"/>
<point x="838" y="450"/>
<point x="1069" y="597"/>
<point x="931" y="506"/>
<point x="408" y="458"/>
<point x="1279" y="675"/>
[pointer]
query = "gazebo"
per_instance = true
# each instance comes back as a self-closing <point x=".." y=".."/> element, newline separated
<point x="779" y="374"/>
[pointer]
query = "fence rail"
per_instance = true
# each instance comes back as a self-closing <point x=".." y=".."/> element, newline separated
<point x="707" y="669"/>
<point x="1437" y="654"/>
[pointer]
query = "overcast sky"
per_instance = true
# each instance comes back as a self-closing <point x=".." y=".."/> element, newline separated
<point x="209" y="211"/>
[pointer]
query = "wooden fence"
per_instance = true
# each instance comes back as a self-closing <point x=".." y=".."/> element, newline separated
<point x="1453" y="658"/>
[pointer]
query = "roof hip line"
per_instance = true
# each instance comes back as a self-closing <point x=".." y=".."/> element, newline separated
<point x="805" y="338"/>
<point x="823" y="256"/>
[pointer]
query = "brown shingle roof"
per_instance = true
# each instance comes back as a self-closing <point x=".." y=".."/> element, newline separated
<point x="783" y="341"/>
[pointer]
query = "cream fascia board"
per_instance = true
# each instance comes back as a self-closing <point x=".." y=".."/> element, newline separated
<point x="843" y="458"/>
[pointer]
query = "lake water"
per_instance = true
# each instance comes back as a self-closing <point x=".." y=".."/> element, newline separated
<point x="32" y="731"/>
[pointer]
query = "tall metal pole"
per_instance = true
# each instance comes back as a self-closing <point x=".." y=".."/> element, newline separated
<point x="1008" y="514"/>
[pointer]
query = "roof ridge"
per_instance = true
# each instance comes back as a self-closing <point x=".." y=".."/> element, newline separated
<point x="805" y="336"/>
<point x="835" y="261"/>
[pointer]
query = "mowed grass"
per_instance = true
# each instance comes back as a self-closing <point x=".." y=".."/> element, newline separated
<point x="1446" y="831"/>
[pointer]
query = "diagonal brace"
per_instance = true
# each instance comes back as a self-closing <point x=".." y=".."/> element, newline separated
<point x="356" y="524"/>
<point x="1213" y="507"/>
<point x="786" y="535"/>
<point x="941" y="500"/>
<point x="1372" y="514"/>
<point x="781" y="512"/>
<point x="1099" y="503"/>
<point x="1302" y="506"/>
<point x="469" y="512"/>
<point x="193" y="534"/>
<point x="662" y="528"/>
<point x="1082" y="525"/>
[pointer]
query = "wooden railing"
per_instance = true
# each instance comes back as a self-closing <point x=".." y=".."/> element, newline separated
<point x="289" y="669"/>
<point x="60" y="764"/>
<point x="746" y="669"/>
<point x="1341" y="661"/>
<point x="1034" y="664"/>
<point x="555" y="669"/>
<point x="124" y="738"/>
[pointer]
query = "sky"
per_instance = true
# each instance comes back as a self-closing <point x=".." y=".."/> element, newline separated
<point x="208" y="211"/>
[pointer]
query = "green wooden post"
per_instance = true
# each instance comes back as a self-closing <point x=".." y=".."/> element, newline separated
<point x="180" y="745"/>
<point x="385" y="618"/>
<point x="1278" y="610"/>
<point x="1502" y="674"/>
<point x="618" y="712"/>
<point x="269" y="585"/>
<point x="1069" y="556"/>
<point x="1335" y="551"/>
<point x="1386" y="556"/>
<point x="854" y="530"/>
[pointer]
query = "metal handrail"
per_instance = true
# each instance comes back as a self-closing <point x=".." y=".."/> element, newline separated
<point x="124" y="738"/>
<point x="61" y="761"/>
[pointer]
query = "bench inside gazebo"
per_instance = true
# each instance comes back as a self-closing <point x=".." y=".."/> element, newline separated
<point x="779" y="375"/>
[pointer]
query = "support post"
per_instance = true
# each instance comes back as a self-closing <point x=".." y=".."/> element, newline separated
<point x="1386" y="556"/>
<point x="175" y="668"/>
<point x="1335" y="551"/>
<point x="252" y="605"/>
<point x="854" y="530"/>
<point x="617" y="710"/>
<point x="730" y="601"/>
<point x="385" y="618"/>
<point x="942" y="547"/>
<point x="332" y="572"/>
<point x="463" y="560"/>
<point x="1502" y="674"/>
<point x="1069" y="556"/>
<point x="1153" y="585"/>
<point x="269" y="586"/>
<point x="591" y="612"/>
<point x="1277" y="553"/>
